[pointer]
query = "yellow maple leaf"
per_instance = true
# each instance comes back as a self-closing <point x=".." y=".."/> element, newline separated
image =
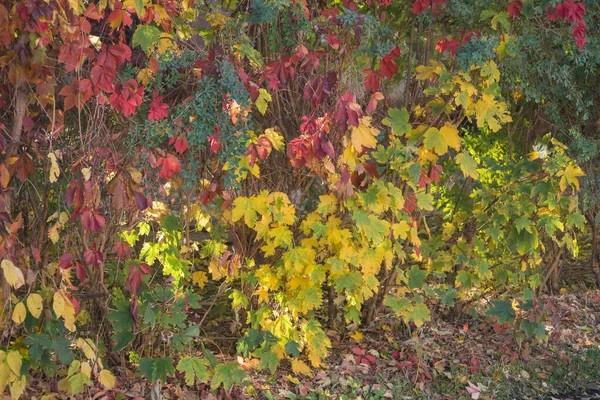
<point x="570" y="176"/>
<point x="358" y="336"/>
<point x="199" y="278"/>
<point x="300" y="367"/>
<point x="364" y="135"/>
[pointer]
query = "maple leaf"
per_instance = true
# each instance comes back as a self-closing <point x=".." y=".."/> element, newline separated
<point x="467" y="165"/>
<point x="364" y="135"/>
<point x="440" y="140"/>
<point x="300" y="368"/>
<point x="374" y="228"/>
<point x="570" y="177"/>
<point x="193" y="368"/>
<point x="502" y="310"/>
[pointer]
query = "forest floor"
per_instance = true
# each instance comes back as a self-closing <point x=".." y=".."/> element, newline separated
<point x="472" y="357"/>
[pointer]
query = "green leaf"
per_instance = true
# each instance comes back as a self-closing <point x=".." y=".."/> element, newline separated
<point x="292" y="348"/>
<point x="468" y="165"/>
<point x="171" y="224"/>
<point x="400" y="305"/>
<point x="146" y="36"/>
<point x="399" y="121"/>
<point x="533" y="329"/>
<point x="416" y="277"/>
<point x="193" y="367"/>
<point x="419" y="314"/>
<point x="523" y="223"/>
<point x="374" y="228"/>
<point x="269" y="360"/>
<point x="121" y="317"/>
<point x="551" y="223"/>
<point x="501" y="309"/>
<point x="227" y="374"/>
<point x="424" y="200"/>
<point x="211" y="358"/>
<point x="161" y="367"/>
<point x="123" y="339"/>
<point x="139" y="8"/>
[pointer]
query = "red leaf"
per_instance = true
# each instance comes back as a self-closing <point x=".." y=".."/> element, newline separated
<point x="170" y="165"/>
<point x="136" y="273"/>
<point x="121" y="249"/>
<point x="80" y="271"/>
<point x="447" y="45"/>
<point x="387" y="66"/>
<point x="159" y="111"/>
<point x="474" y="365"/>
<point x="514" y="8"/>
<point x="141" y="201"/>
<point x="333" y="41"/>
<point x="66" y="261"/>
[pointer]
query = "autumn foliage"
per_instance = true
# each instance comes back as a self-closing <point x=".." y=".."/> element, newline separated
<point x="277" y="167"/>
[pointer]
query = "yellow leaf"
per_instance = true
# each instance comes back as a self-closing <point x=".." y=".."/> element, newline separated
<point x="86" y="369"/>
<point x="292" y="379"/>
<point x="88" y="347"/>
<point x="4" y="176"/>
<point x="12" y="274"/>
<point x="199" y="278"/>
<point x="17" y="387"/>
<point x="364" y="135"/>
<point x="570" y="176"/>
<point x="144" y="76"/>
<point x="53" y="233"/>
<point x="76" y="6"/>
<point x="54" y="168"/>
<point x="4" y="374"/>
<point x="275" y="138"/>
<point x="14" y="361"/>
<point x="63" y="307"/>
<point x="358" y="336"/>
<point x="107" y="379"/>
<point x="87" y="173"/>
<point x="19" y="313"/>
<point x="300" y="367"/>
<point x="440" y="140"/>
<point x="35" y="304"/>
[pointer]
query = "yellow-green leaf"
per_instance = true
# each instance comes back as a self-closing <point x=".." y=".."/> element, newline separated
<point x="14" y="361"/>
<point x="35" y="304"/>
<point x="440" y="140"/>
<point x="262" y="101"/>
<point x="12" y="274"/>
<point x="468" y="165"/>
